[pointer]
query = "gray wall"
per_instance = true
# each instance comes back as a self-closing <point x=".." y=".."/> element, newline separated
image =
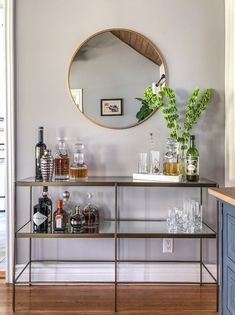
<point x="190" y="35"/>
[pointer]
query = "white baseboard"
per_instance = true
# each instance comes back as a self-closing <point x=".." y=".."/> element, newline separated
<point x="136" y="272"/>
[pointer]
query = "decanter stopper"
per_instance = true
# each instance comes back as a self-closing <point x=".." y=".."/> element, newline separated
<point x="66" y="195"/>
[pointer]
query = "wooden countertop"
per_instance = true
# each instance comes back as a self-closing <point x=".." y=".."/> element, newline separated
<point x="226" y="194"/>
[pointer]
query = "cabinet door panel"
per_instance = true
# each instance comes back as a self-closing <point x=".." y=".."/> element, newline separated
<point x="228" y="276"/>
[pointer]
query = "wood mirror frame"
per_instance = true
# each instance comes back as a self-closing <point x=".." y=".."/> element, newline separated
<point x="139" y="43"/>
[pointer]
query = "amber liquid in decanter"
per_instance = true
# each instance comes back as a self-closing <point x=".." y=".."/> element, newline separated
<point x="75" y="173"/>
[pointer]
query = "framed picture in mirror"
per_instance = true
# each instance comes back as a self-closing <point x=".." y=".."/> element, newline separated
<point x="77" y="97"/>
<point x="111" y="107"/>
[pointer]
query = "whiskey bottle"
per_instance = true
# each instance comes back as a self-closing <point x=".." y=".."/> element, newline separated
<point x="78" y="169"/>
<point x="77" y="220"/>
<point x="192" y="162"/>
<point x="91" y="214"/>
<point x="60" y="218"/>
<point x="40" y="147"/>
<point x="61" y="161"/>
<point x="40" y="218"/>
<point x="45" y="200"/>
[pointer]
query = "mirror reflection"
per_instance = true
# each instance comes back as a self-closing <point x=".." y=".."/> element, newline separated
<point x="109" y="71"/>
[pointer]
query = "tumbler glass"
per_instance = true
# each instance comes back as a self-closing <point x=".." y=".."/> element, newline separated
<point x="143" y="163"/>
<point x="154" y="162"/>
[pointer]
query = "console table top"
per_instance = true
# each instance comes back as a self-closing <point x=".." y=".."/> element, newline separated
<point x="226" y="194"/>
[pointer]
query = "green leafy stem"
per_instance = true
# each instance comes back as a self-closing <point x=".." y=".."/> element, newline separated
<point x="166" y="100"/>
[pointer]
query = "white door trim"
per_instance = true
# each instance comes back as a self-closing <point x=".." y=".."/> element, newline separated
<point x="10" y="133"/>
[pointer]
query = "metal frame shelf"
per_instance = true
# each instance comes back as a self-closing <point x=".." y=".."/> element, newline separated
<point x="116" y="228"/>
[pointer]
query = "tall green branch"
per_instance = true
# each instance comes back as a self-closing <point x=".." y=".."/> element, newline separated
<point x="166" y="100"/>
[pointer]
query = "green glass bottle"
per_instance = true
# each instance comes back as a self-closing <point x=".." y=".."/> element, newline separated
<point x="192" y="162"/>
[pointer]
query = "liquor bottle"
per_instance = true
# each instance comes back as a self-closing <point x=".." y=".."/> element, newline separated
<point x="40" y="218"/>
<point x="171" y="165"/>
<point x="60" y="218"/>
<point x="77" y="220"/>
<point x="45" y="200"/>
<point x="39" y="151"/>
<point x="192" y="162"/>
<point x="61" y="161"/>
<point x="68" y="206"/>
<point x="78" y="169"/>
<point x="91" y="214"/>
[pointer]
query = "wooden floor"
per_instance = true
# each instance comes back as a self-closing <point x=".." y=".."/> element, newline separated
<point x="98" y="300"/>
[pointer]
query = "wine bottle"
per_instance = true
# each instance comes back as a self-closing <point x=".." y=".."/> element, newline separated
<point x="40" y="218"/>
<point x="192" y="162"/>
<point x="40" y="147"/>
<point x="46" y="200"/>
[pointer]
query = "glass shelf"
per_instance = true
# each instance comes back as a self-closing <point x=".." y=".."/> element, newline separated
<point x="105" y="229"/>
<point x="112" y="181"/>
<point x="125" y="229"/>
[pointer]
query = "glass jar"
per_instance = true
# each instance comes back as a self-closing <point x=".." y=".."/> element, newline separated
<point x="91" y="214"/>
<point x="77" y="220"/>
<point x="171" y="165"/>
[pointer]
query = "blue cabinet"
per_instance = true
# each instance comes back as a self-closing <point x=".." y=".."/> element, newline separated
<point x="227" y="259"/>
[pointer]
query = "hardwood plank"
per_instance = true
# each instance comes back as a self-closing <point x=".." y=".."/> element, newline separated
<point x="98" y="300"/>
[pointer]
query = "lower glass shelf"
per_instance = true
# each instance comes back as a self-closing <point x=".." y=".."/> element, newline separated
<point x="125" y="229"/>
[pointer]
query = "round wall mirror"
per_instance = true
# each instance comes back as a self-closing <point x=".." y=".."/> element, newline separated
<point x="109" y="71"/>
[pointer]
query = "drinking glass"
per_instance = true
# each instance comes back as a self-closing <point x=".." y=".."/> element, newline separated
<point x="171" y="220"/>
<point x="198" y="216"/>
<point x="192" y="209"/>
<point x="154" y="162"/>
<point x="143" y="163"/>
<point x="179" y="219"/>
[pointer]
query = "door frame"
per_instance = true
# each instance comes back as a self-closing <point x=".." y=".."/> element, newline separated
<point x="9" y="6"/>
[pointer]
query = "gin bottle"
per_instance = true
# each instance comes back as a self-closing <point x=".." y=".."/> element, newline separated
<point x="40" y="218"/>
<point x="46" y="200"/>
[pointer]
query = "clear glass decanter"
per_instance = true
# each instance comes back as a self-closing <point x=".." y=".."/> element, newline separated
<point x="171" y="158"/>
<point x="61" y="161"/>
<point x="91" y="214"/>
<point x="77" y="220"/>
<point x="78" y="169"/>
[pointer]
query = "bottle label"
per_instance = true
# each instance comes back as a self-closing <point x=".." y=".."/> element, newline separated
<point x="192" y="165"/>
<point x="58" y="222"/>
<point x="39" y="218"/>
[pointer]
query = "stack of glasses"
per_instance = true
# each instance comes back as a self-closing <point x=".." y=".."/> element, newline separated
<point x="188" y="220"/>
